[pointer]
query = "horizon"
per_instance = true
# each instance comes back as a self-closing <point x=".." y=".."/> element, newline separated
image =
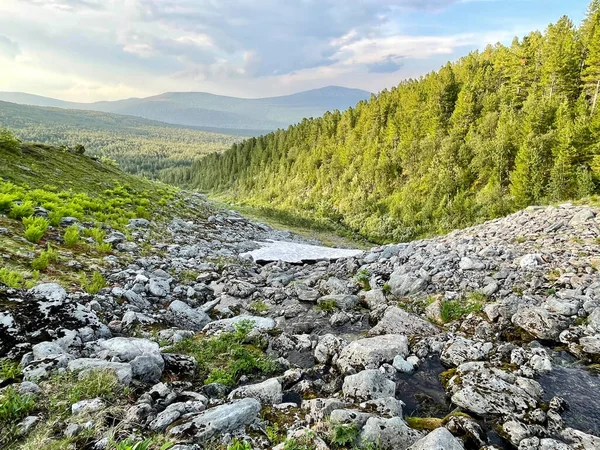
<point x="93" y="50"/>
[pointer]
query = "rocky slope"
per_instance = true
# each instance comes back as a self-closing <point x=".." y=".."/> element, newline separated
<point x="482" y="339"/>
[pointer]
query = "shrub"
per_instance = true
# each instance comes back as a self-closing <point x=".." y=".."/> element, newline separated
<point x="92" y="287"/>
<point x="343" y="435"/>
<point x="327" y="305"/>
<point x="10" y="278"/>
<point x="97" y="234"/>
<point x="20" y="210"/>
<point x="71" y="236"/>
<point x="363" y="278"/>
<point x="8" y="141"/>
<point x="258" y="307"/>
<point x="35" y="228"/>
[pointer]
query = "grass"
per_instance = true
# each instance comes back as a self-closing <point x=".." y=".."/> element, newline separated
<point x="258" y="307"/>
<point x="13" y="408"/>
<point x="239" y="445"/>
<point x="43" y="260"/>
<point x="225" y="358"/>
<point x="327" y="306"/>
<point x="9" y="369"/>
<point x="132" y="444"/>
<point x="459" y="308"/>
<point x="343" y="435"/>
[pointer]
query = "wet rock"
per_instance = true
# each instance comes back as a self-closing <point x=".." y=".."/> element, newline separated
<point x="368" y="385"/>
<point x="370" y="353"/>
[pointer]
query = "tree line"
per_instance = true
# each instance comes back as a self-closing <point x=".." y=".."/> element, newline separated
<point x="500" y="129"/>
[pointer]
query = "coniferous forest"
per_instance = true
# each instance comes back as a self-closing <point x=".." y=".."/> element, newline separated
<point x="498" y="130"/>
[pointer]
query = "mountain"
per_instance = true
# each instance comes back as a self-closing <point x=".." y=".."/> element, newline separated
<point x="498" y="130"/>
<point x="138" y="145"/>
<point x="216" y="111"/>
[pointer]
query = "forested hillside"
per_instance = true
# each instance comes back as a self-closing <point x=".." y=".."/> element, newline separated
<point x="138" y="145"/>
<point x="498" y="130"/>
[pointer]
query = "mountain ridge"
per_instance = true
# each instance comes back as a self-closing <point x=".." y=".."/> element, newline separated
<point x="205" y="109"/>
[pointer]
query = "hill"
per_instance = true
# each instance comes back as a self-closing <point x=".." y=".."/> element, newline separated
<point x="138" y="145"/>
<point x="498" y="130"/>
<point x="216" y="111"/>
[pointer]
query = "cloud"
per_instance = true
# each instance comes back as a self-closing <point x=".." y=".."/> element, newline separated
<point x="389" y="64"/>
<point x="9" y="47"/>
<point x="68" y="5"/>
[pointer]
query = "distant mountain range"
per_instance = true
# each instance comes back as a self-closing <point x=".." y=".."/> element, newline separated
<point x="221" y="113"/>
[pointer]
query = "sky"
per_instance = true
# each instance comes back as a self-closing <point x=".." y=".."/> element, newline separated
<point x="92" y="50"/>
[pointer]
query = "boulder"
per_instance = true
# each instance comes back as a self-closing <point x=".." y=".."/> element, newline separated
<point x="342" y="301"/>
<point x="370" y="353"/>
<point x="464" y="350"/>
<point x="84" y="365"/>
<point x="268" y="392"/>
<point x="218" y="421"/>
<point x="540" y="322"/>
<point x="438" y="439"/>
<point x="389" y="434"/>
<point x="259" y="323"/>
<point x="184" y="316"/>
<point x="397" y="321"/>
<point x="403" y="284"/>
<point x="368" y="385"/>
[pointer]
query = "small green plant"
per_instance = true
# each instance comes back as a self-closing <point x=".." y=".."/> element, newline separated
<point x="386" y="288"/>
<point x="130" y="444"/>
<point x="226" y="357"/>
<point x="14" y="406"/>
<point x="11" y="278"/>
<point x="328" y="306"/>
<point x="9" y="369"/>
<point x="6" y="201"/>
<point x="258" y="307"/>
<point x="35" y="228"/>
<point x="97" y="234"/>
<point x="71" y="236"/>
<point x="343" y="435"/>
<point x="45" y="258"/>
<point x="457" y="309"/>
<point x="273" y="434"/>
<point x="92" y="287"/>
<point x="303" y="443"/>
<point x="239" y="445"/>
<point x="362" y="278"/>
<point x="21" y="210"/>
<point x="188" y="276"/>
<point x="104" y="248"/>
<point x="520" y="239"/>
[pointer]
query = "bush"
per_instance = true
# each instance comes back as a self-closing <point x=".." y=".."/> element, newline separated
<point x="6" y="201"/>
<point x="11" y="279"/>
<point x="8" y="141"/>
<point x="343" y="435"/>
<point x="21" y="210"/>
<point x="35" y="228"/>
<point x="71" y="236"/>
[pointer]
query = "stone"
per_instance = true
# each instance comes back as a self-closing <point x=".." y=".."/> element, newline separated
<point x="184" y="316"/>
<point x="370" y="353"/>
<point x="87" y="406"/>
<point x="368" y="385"/>
<point x="389" y="434"/>
<point x="305" y="293"/>
<point x="258" y="323"/>
<point x="342" y="301"/>
<point x="402" y="284"/>
<point x="128" y="348"/>
<point x="123" y="371"/>
<point x="463" y="350"/>
<point x="540" y="322"/>
<point x="138" y="223"/>
<point x="328" y="348"/>
<point x="402" y="365"/>
<point x="159" y="287"/>
<point x="45" y="349"/>
<point x="590" y="344"/>
<point x="531" y="261"/>
<point x="467" y="263"/>
<point x="114" y="238"/>
<point x="438" y="439"/>
<point x="581" y="217"/>
<point x="173" y="412"/>
<point x="147" y="367"/>
<point x="48" y="291"/>
<point x="268" y="392"/>
<point x="347" y="416"/>
<point x="397" y="321"/>
<point x="489" y="391"/>
<point x="219" y="420"/>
